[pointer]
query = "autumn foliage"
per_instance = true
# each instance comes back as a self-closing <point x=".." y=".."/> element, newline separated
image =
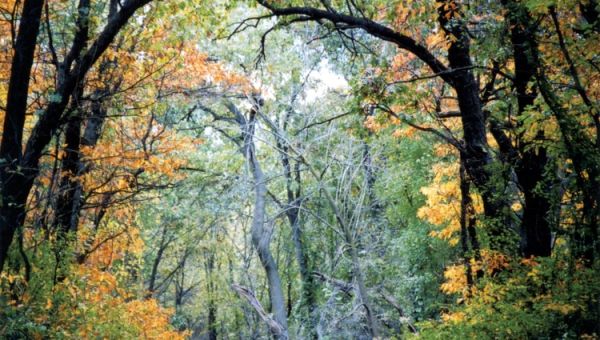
<point x="299" y="169"/>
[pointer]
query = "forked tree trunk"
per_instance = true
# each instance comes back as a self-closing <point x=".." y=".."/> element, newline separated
<point x="260" y="237"/>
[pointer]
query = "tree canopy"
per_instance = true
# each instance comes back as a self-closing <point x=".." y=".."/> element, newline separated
<point x="315" y="169"/>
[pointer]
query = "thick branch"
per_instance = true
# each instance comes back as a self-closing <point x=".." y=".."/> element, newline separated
<point x="373" y="28"/>
<point x="274" y="326"/>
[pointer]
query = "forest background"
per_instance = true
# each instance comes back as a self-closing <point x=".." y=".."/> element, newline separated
<point x="307" y="169"/>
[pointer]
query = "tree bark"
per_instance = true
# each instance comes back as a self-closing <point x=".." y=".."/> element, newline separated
<point x="275" y="327"/>
<point x="66" y="208"/>
<point x="212" y="305"/>
<point x="529" y="163"/>
<point x="162" y="246"/>
<point x="260" y="237"/>
<point x="583" y="153"/>
<point x="293" y="214"/>
<point x="13" y="195"/>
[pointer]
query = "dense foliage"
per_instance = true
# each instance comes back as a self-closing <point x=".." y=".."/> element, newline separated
<point x="299" y="169"/>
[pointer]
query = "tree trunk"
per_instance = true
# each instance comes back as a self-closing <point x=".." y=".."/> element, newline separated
<point x="531" y="164"/>
<point x="293" y="215"/>
<point x="212" y="305"/>
<point x="13" y="193"/>
<point x="65" y="220"/>
<point x="70" y="200"/>
<point x="261" y="237"/>
<point x="159" y="254"/>
<point x="362" y="288"/>
<point x="477" y="159"/>
<point x="583" y="153"/>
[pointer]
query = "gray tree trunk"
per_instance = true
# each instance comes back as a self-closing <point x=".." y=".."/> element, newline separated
<point x="260" y="237"/>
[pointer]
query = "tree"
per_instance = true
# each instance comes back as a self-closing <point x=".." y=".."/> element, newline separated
<point x="22" y="166"/>
<point x="377" y="169"/>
